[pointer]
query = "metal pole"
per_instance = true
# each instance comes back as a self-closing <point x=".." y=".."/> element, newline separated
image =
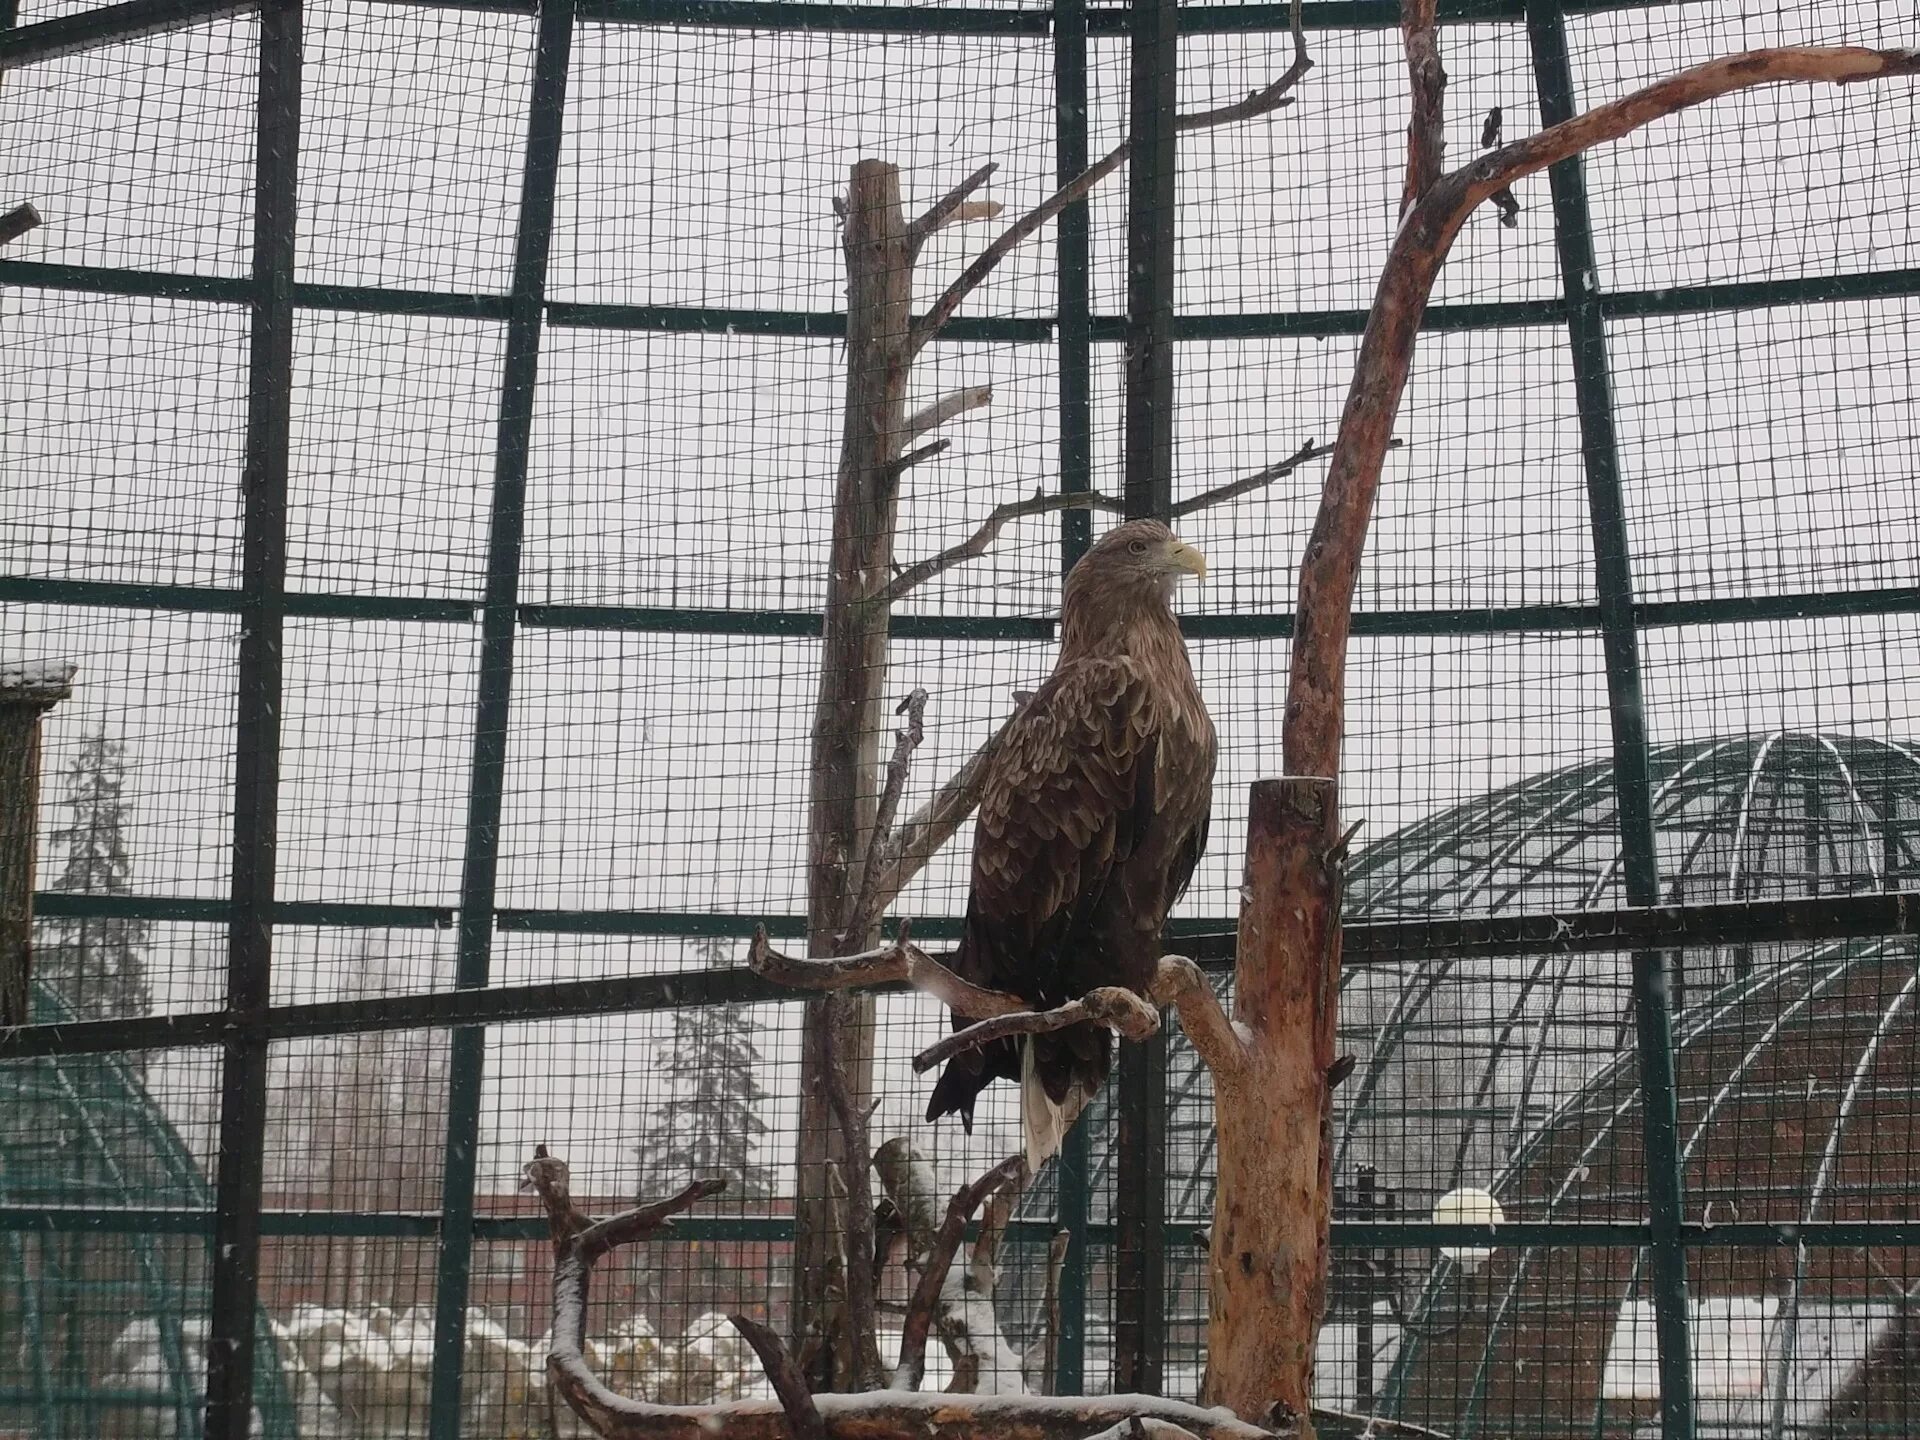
<point x="256" y="792"/>
<point x="1613" y="573"/>
<point x="1072" y="1171"/>
<point x="513" y="439"/>
<point x="1141" y="1086"/>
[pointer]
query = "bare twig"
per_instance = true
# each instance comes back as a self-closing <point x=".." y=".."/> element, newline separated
<point x="949" y="406"/>
<point x="1426" y="138"/>
<point x="1043" y="1356"/>
<point x="1111" y="1005"/>
<point x="1180" y="983"/>
<point x="1374" y="1425"/>
<point x="889" y="964"/>
<point x="905" y="741"/>
<point x="1234" y="489"/>
<point x="926" y="1295"/>
<point x="802" y="1414"/>
<point x="897" y="467"/>
<point x="17" y="222"/>
<point x="975" y="545"/>
<point x="1136" y="1427"/>
<point x="952" y="208"/>
<point x="862" y="1328"/>
<point x="1261" y="102"/>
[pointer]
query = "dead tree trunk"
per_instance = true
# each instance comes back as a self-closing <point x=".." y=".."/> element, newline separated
<point x="1268" y="1272"/>
<point x="24" y="698"/>
<point x="838" y="1030"/>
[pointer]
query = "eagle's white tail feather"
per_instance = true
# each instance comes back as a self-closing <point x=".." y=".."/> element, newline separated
<point x="1043" y="1122"/>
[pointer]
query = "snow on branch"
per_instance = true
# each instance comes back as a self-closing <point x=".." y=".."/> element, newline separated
<point x="898" y="960"/>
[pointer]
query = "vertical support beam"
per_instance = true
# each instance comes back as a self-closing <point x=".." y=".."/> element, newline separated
<point x="1073" y="267"/>
<point x="1613" y="574"/>
<point x="487" y="783"/>
<point x="256" y="788"/>
<point x="1141" y="1085"/>
<point x="24" y="698"/>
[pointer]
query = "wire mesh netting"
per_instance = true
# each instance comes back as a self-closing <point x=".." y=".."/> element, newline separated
<point x="553" y="436"/>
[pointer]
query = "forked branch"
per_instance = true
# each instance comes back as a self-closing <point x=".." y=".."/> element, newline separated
<point x="1219" y="1044"/>
<point x="890" y="964"/>
<point x="933" y="1278"/>
<point x="1262" y="102"/>
<point x="1110" y="1005"/>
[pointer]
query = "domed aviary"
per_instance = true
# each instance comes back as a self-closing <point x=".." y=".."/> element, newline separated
<point x="106" y="1332"/>
<point x="1796" y="1104"/>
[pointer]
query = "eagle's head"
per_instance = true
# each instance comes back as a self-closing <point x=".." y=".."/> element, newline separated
<point x="1139" y="557"/>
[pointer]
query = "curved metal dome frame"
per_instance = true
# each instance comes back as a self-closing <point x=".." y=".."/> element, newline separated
<point x="89" y="1090"/>
<point x="1819" y="970"/>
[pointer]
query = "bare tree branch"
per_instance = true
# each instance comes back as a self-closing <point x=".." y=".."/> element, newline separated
<point x="1043" y="1356"/>
<point x="952" y="208"/>
<point x="1371" y="1426"/>
<point x="1261" y="102"/>
<point x="802" y="1414"/>
<point x="1426" y="127"/>
<point x="17" y="222"/>
<point x="1180" y="983"/>
<point x="878" y="1415"/>
<point x="1316" y="708"/>
<point x="890" y="964"/>
<point x="947" y="407"/>
<point x="1111" y="1005"/>
<point x="862" y="1291"/>
<point x="975" y="545"/>
<point x="898" y="467"/>
<point x="905" y="741"/>
<point x="926" y="1295"/>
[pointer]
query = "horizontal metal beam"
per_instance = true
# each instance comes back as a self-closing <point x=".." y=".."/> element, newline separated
<point x="1347" y="1234"/>
<point x="1210" y="941"/>
<point x="193" y="910"/>
<point x="110" y="25"/>
<point x="805" y="624"/>
<point x="987" y="329"/>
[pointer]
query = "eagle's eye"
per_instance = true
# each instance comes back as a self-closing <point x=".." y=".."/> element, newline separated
<point x="1138" y="547"/>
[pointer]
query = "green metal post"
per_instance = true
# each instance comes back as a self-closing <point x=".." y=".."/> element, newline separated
<point x="1140" y="1090"/>
<point x="513" y="439"/>
<point x="256" y="786"/>
<point x="1075" y="305"/>
<point x="1613" y="572"/>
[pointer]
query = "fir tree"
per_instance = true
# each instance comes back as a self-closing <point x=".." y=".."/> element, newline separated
<point x="706" y="1112"/>
<point x="97" y="966"/>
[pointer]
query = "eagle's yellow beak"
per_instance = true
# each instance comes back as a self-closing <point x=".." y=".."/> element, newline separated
<point x="1185" y="557"/>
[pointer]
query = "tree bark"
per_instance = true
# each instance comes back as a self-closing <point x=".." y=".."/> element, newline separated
<point x="23" y="700"/>
<point x="848" y="721"/>
<point x="1268" y="1272"/>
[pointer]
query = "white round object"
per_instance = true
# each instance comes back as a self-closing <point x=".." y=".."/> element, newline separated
<point x="1468" y="1205"/>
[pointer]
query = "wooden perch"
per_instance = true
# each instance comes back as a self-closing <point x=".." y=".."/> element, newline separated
<point x="927" y="1294"/>
<point x="955" y="208"/>
<point x="1183" y="985"/>
<point x="1111" y="1005"/>
<point x="878" y="1415"/>
<point x="899" y="960"/>
<point x="803" y="1416"/>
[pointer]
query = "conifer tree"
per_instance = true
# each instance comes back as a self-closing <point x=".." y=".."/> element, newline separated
<point x="96" y="965"/>
<point x="706" y="1109"/>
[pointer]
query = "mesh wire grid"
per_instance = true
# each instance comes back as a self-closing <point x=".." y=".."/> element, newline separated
<point x="677" y="508"/>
